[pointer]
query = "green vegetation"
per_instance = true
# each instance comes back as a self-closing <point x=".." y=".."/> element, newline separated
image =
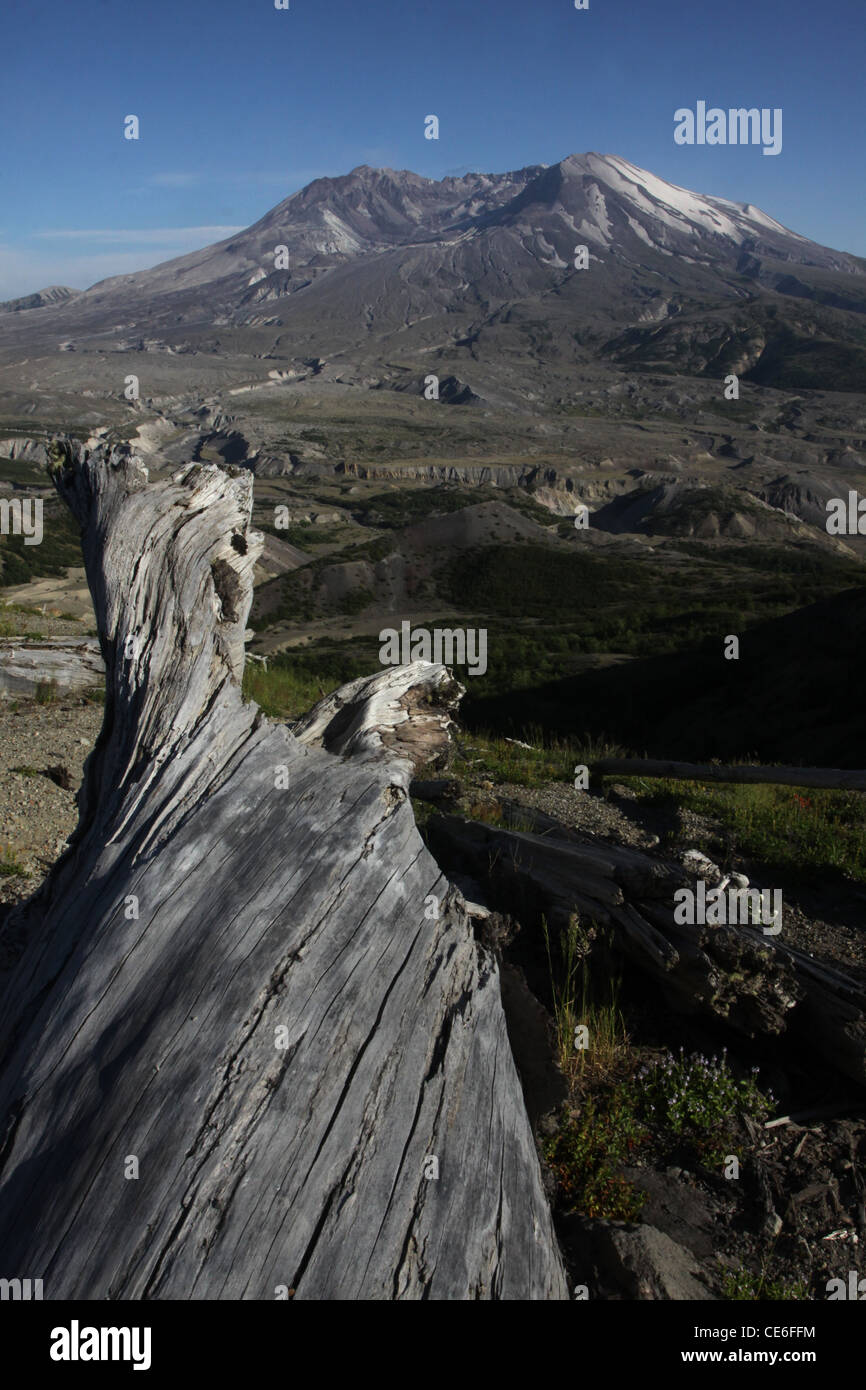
<point x="371" y="551"/>
<point x="698" y="1100"/>
<point x="279" y="691"/>
<point x="45" y="430"/>
<point x="295" y="680"/>
<point x="564" y="991"/>
<point x="60" y="547"/>
<point x="21" y="471"/>
<point x="793" y="363"/>
<point x="620" y="1112"/>
<point x="587" y="1151"/>
<point x="597" y="1050"/>
<point x="10" y="867"/>
<point x="546" y="607"/>
<point x="306" y="535"/>
<point x="800" y="562"/>
<point x="694" y="1102"/>
<point x="354" y="602"/>
<point x="809" y="831"/>
<point x="813" y="831"/>
<point x="398" y="509"/>
<point x="297" y="601"/>
<point x="554" y="614"/>
<point x="547" y="759"/>
<point x="602" y="1129"/>
<point x="10" y="618"/>
<point x="741" y="1284"/>
<point x="45" y="693"/>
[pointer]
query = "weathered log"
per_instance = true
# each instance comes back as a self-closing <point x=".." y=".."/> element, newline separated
<point x="826" y="777"/>
<point x="67" y="663"/>
<point x="252" y="1012"/>
<point x="754" y="982"/>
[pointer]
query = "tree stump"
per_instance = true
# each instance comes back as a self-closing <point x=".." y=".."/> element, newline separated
<point x="252" y="1048"/>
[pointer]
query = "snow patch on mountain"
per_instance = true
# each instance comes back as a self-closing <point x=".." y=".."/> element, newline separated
<point x="640" y="231"/>
<point x="341" y="237"/>
<point x="680" y="209"/>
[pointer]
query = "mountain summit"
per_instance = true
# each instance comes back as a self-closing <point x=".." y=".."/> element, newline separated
<point x="612" y="205"/>
<point x="382" y="263"/>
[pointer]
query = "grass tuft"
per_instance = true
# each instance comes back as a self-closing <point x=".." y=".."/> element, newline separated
<point x="10" y="867"/>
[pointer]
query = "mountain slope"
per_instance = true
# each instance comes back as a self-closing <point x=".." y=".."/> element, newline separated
<point x="384" y="264"/>
<point x="602" y="198"/>
<point x="771" y="705"/>
<point x="51" y="296"/>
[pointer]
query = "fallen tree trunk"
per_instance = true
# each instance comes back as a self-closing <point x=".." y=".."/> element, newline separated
<point x="252" y="1048"/>
<point x="827" y="777"/>
<point x="65" y="663"/>
<point x="754" y="982"/>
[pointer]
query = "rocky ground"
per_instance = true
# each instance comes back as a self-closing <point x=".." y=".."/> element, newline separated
<point x="42" y="753"/>
<point x="26" y="619"/>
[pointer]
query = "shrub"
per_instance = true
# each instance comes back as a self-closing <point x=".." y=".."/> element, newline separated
<point x="699" y="1100"/>
<point x="584" y="1155"/>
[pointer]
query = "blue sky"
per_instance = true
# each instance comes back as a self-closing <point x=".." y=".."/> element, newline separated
<point x="241" y="104"/>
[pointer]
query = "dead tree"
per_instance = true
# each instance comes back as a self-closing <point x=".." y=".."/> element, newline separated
<point x="252" y="1048"/>
<point x="754" y="982"/>
<point x="64" y="663"/>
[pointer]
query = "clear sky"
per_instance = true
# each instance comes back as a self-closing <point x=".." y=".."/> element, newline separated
<point x="241" y="104"/>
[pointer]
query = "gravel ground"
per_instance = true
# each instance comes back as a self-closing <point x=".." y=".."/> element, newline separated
<point x="44" y="625"/>
<point x="36" y="814"/>
<point x="591" y="814"/>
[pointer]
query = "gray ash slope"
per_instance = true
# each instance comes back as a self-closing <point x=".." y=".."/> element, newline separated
<point x="384" y="263"/>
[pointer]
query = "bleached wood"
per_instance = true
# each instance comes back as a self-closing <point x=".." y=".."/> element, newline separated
<point x="259" y="908"/>
<point x="67" y="663"/>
